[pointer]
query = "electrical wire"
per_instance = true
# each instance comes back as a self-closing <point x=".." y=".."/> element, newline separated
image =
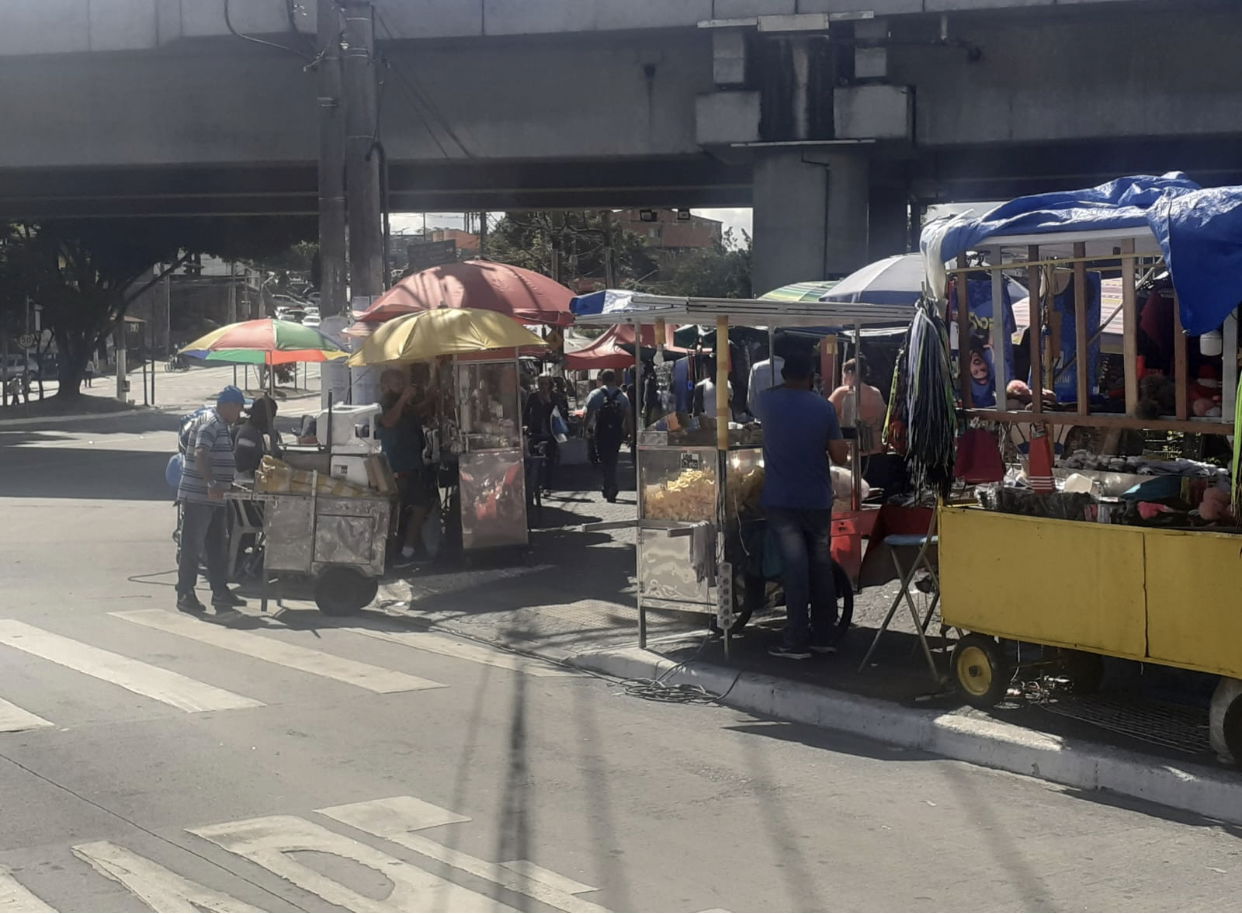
<point x="659" y="689"/>
<point x="421" y="102"/>
<point x="228" y="22"/>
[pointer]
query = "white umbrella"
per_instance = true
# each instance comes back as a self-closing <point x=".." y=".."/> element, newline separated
<point x="896" y="280"/>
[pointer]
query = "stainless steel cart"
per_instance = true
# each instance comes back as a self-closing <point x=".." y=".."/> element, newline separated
<point x="336" y="543"/>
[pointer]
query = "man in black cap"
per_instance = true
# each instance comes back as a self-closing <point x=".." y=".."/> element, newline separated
<point x="208" y="473"/>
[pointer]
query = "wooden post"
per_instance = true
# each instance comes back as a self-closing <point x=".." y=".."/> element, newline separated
<point x="999" y="336"/>
<point x="1129" y="317"/>
<point x="722" y="384"/>
<point x="1229" y="362"/>
<point x="963" y="333"/>
<point x="1037" y="329"/>
<point x="1181" y="367"/>
<point x="1081" y="333"/>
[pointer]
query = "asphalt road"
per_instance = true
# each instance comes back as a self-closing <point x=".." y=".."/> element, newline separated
<point x="147" y="758"/>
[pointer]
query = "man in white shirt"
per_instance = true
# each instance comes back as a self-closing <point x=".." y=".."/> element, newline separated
<point x="763" y="376"/>
<point x="705" y="393"/>
<point x="871" y="407"/>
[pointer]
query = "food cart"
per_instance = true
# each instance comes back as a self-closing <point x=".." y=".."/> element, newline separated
<point x="482" y="421"/>
<point x="1084" y="586"/>
<point x="323" y="515"/>
<point x="699" y="487"/>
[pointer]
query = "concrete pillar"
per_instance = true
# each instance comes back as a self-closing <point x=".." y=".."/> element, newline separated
<point x="811" y="211"/>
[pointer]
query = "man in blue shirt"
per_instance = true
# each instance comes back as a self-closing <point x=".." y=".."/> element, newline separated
<point x="800" y="433"/>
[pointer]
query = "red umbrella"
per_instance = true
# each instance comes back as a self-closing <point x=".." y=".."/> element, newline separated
<point x="522" y="294"/>
<point x="608" y="351"/>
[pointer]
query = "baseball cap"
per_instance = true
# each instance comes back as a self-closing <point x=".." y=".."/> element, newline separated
<point x="231" y="394"/>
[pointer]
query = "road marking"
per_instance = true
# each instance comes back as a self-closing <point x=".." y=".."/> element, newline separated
<point x="141" y="678"/>
<point x="268" y="841"/>
<point x="16" y="898"/>
<point x="462" y="650"/>
<point x="13" y="718"/>
<point x="548" y="877"/>
<point x="159" y="888"/>
<point x="307" y="660"/>
<point x="392" y="819"/>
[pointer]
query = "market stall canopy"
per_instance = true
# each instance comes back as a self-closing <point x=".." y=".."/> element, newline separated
<point x="265" y="342"/>
<point x="524" y="295"/>
<point x="615" y="348"/>
<point x="427" y="335"/>
<point x="896" y="280"/>
<point x="647" y="309"/>
<point x="1197" y="230"/>
<point x="800" y="291"/>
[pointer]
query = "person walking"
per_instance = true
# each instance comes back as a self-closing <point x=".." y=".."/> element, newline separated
<point x="207" y="474"/>
<point x="609" y="423"/>
<point x="537" y="418"/>
<point x="90" y="372"/>
<point x="800" y="434"/>
<point x="400" y="430"/>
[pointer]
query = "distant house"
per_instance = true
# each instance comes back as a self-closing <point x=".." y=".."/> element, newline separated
<point x="670" y="230"/>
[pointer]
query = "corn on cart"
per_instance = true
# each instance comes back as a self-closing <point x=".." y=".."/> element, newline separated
<point x="699" y="481"/>
<point x="1105" y="580"/>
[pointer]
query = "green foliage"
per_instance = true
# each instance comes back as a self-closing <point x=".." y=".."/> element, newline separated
<point x="81" y="271"/>
<point x="577" y="240"/>
<point x="719" y="271"/>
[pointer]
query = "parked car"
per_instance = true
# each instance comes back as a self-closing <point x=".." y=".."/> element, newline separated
<point x="311" y="320"/>
<point x="296" y="315"/>
<point x="17" y="364"/>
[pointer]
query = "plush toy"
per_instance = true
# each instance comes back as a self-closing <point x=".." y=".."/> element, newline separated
<point x="1205" y="392"/>
<point x="1216" y="506"/>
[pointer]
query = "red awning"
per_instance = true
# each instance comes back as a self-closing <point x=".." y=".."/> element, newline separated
<point x="608" y="351"/>
<point x="529" y="297"/>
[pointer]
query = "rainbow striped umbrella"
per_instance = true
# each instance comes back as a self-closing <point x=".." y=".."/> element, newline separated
<point x="265" y="342"/>
<point x="800" y="291"/>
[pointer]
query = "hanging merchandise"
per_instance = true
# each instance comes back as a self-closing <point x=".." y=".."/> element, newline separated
<point x="930" y="403"/>
<point x="982" y="320"/>
<point x="1065" y="380"/>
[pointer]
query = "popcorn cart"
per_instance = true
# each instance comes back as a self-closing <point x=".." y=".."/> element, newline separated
<point x="700" y="529"/>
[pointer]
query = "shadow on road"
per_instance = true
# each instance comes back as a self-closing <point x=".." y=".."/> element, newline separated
<point x="90" y="473"/>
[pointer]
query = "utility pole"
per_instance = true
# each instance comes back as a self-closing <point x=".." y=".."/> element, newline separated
<point x="483" y="235"/>
<point x="332" y="267"/>
<point x="362" y="174"/>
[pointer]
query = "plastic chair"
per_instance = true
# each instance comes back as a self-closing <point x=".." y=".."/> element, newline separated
<point x="245" y="528"/>
<point x="924" y="546"/>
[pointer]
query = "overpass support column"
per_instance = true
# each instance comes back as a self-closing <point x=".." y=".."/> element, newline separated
<point x="811" y="215"/>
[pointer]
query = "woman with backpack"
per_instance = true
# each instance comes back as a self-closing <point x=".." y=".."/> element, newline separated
<point x="610" y="424"/>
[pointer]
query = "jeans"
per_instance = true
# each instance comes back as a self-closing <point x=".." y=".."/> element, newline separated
<point x="204" y="528"/>
<point x="803" y="537"/>
<point x="609" y="452"/>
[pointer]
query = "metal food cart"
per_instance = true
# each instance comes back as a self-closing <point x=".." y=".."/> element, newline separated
<point x="1086" y="589"/>
<point x="698" y="490"/>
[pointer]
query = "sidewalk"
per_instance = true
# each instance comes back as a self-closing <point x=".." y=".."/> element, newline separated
<point x="573" y="601"/>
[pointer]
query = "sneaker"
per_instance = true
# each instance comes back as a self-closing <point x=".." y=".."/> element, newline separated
<point x="789" y="653"/>
<point x="226" y="600"/>
<point x="188" y="603"/>
<point x="823" y="648"/>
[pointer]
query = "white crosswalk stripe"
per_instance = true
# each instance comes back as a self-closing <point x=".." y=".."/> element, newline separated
<point x="15" y="897"/>
<point x="138" y="677"/>
<point x="159" y="888"/>
<point x="261" y="647"/>
<point x="13" y="718"/>
<point x="461" y="649"/>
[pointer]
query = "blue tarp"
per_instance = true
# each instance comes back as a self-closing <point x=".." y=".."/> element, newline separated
<point x="1198" y="229"/>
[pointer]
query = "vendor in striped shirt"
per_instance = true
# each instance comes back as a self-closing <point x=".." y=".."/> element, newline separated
<point x="208" y="473"/>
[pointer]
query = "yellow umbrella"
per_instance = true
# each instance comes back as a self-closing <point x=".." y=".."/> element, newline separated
<point x="427" y="335"/>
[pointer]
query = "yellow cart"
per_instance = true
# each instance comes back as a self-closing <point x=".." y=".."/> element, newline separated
<point x="1162" y="596"/>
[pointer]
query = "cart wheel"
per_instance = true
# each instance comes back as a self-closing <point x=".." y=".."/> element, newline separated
<point x="1085" y="671"/>
<point x="343" y="591"/>
<point x="982" y="670"/>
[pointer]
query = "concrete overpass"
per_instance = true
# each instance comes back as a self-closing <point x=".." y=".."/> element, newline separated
<point x="830" y="117"/>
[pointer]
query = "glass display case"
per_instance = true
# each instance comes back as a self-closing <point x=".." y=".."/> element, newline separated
<point x="491" y="456"/>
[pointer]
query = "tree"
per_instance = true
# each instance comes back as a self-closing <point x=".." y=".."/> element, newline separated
<point x="719" y="271"/>
<point x="571" y="244"/>
<point x="86" y="272"/>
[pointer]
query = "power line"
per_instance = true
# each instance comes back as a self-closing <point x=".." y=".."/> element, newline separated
<point x="421" y="101"/>
<point x="228" y="22"/>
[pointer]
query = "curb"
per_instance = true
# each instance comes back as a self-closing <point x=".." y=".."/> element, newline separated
<point x="1198" y="789"/>
<point x="78" y="417"/>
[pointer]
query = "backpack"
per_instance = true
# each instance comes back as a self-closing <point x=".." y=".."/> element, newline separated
<point x="610" y="424"/>
<point x="185" y="435"/>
